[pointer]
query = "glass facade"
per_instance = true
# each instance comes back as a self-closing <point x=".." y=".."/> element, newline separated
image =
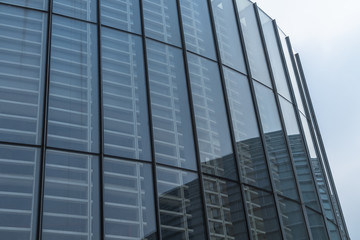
<point x="157" y="119"/>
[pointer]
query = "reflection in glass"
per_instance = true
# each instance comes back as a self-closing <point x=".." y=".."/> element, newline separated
<point x="173" y="138"/>
<point x="228" y="34"/>
<point x="22" y="48"/>
<point x="317" y="225"/>
<point x="71" y="197"/>
<point x="197" y="27"/>
<point x="38" y="4"/>
<point x="19" y="171"/>
<point x="73" y="101"/>
<point x="126" y="132"/>
<point x="262" y="215"/>
<point x="225" y="212"/>
<point x="161" y="21"/>
<point x="216" y="153"/>
<point x="121" y="14"/>
<point x="84" y="9"/>
<point x="181" y="215"/>
<point x="334" y="232"/>
<point x="279" y="158"/>
<point x="128" y="200"/>
<point x="248" y="143"/>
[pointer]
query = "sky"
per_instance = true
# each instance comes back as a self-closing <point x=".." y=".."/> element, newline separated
<point x="326" y="34"/>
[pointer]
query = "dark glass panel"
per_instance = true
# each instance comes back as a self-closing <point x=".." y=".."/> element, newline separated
<point x="173" y="138"/>
<point x="126" y="132"/>
<point x="22" y="61"/>
<point x="73" y="101"/>
<point x="333" y="230"/>
<point x="317" y="225"/>
<point x="19" y="176"/>
<point x="81" y="9"/>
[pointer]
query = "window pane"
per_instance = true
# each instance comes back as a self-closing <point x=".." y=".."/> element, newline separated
<point x="225" y="212"/>
<point x="317" y="225"/>
<point x="181" y="215"/>
<point x="73" y="101"/>
<point x="228" y="34"/>
<point x="161" y="21"/>
<point x="334" y="232"/>
<point x="129" y="200"/>
<point x="84" y="9"/>
<point x="38" y="4"/>
<point x="262" y="215"/>
<point x="71" y="197"/>
<point x="173" y="138"/>
<point x="248" y="143"/>
<point x="22" y="48"/>
<point x="121" y="14"/>
<point x="19" y="171"/>
<point x="197" y="27"/>
<point x="126" y="132"/>
<point x="280" y="163"/>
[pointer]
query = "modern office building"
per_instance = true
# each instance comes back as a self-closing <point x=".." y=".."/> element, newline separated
<point x="157" y="119"/>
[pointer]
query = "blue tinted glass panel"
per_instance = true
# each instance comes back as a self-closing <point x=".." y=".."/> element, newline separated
<point x="71" y="197"/>
<point x="181" y="215"/>
<point x="248" y="143"/>
<point x="38" y="4"/>
<point x="212" y="128"/>
<point x="19" y="176"/>
<point x="333" y="231"/>
<point x="197" y="27"/>
<point x="129" y="200"/>
<point x="73" y="102"/>
<point x="317" y="225"/>
<point x="161" y="21"/>
<point x="22" y="61"/>
<point x="126" y="132"/>
<point x="173" y="138"/>
<point x="81" y="9"/>
<point x="121" y="14"/>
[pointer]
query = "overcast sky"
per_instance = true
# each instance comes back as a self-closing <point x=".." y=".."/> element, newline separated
<point x="326" y="34"/>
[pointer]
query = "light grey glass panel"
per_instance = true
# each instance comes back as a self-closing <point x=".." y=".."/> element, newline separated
<point x="279" y="158"/>
<point x="173" y="138"/>
<point x="126" y="126"/>
<point x="19" y="176"/>
<point x="228" y="34"/>
<point x="181" y="215"/>
<point x="225" y="212"/>
<point x="274" y="55"/>
<point x="212" y="128"/>
<point x="263" y="219"/>
<point x="248" y="143"/>
<point x="121" y="14"/>
<point x="81" y="9"/>
<point x="161" y="21"/>
<point x="128" y="200"/>
<point x="333" y="230"/>
<point x="73" y="102"/>
<point x="38" y="4"/>
<point x="22" y="61"/>
<point x="254" y="47"/>
<point x="317" y="225"/>
<point x="293" y="220"/>
<point x="197" y="27"/>
<point x="302" y="167"/>
<point x="71" y="197"/>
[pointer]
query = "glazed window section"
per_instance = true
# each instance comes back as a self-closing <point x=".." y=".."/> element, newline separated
<point x="161" y="21"/>
<point x="38" y="4"/>
<point x="181" y="215"/>
<point x="71" y="196"/>
<point x="121" y="14"/>
<point x="262" y="214"/>
<point x="334" y="231"/>
<point x="173" y="138"/>
<point x="22" y="61"/>
<point x="19" y="171"/>
<point x="254" y="47"/>
<point x="317" y="225"/>
<point x="248" y="143"/>
<point x="84" y="9"/>
<point x="302" y="167"/>
<point x="197" y="27"/>
<point x="212" y="128"/>
<point x="73" y="101"/>
<point x="226" y="217"/>
<point x="281" y="167"/>
<point x="126" y="132"/>
<point x="129" y="200"/>
<point x="228" y="34"/>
